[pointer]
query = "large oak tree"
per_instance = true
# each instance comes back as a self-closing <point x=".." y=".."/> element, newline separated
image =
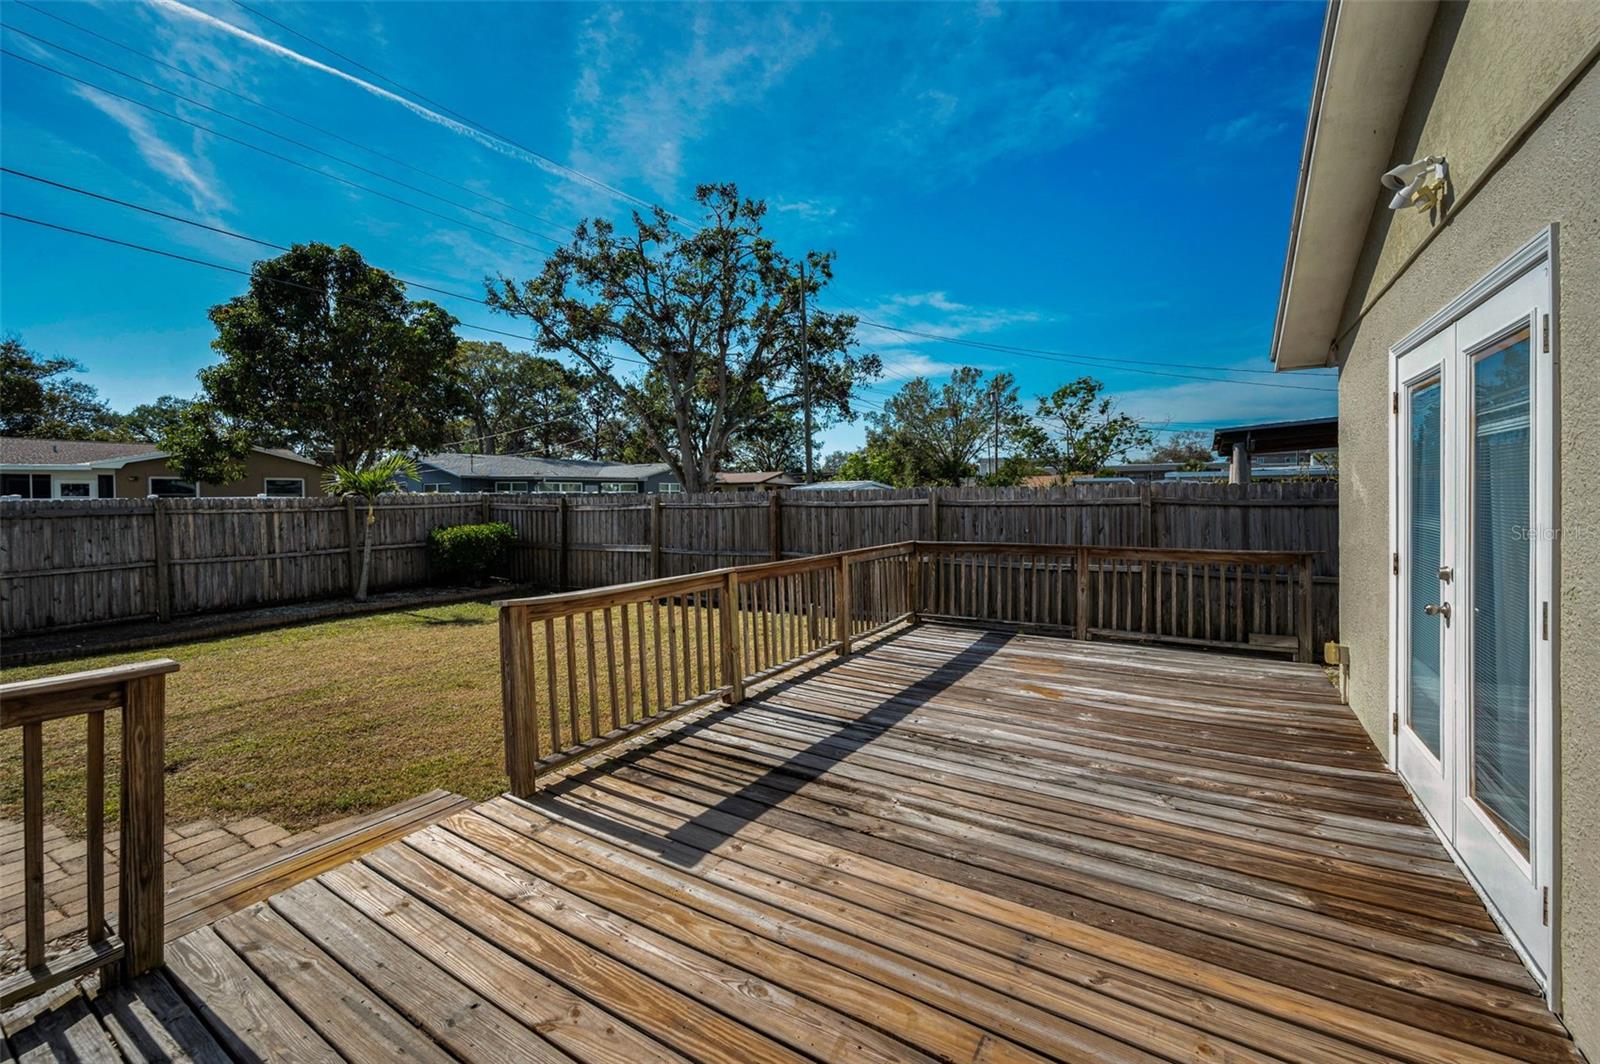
<point x="327" y="351"/>
<point x="696" y="334"/>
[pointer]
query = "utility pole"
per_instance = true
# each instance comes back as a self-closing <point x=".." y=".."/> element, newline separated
<point x="805" y="371"/>
<point x="995" y="451"/>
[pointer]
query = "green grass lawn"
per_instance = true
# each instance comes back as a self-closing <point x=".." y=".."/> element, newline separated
<point x="303" y="725"/>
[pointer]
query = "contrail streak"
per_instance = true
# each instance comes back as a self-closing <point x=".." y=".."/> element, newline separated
<point x="426" y="113"/>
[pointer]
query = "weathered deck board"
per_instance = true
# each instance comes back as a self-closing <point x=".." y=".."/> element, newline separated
<point x="955" y="845"/>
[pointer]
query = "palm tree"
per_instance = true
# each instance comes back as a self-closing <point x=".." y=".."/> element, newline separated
<point x="368" y="483"/>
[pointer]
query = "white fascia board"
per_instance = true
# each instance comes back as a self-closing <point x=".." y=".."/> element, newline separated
<point x="1370" y="54"/>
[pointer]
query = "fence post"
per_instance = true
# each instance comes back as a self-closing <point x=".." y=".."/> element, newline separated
<point x="487" y="503"/>
<point x="563" y="523"/>
<point x="163" y="543"/>
<point x="140" y="882"/>
<point x="1303" y="624"/>
<point x="933" y="514"/>
<point x="914" y="585"/>
<point x="517" y="699"/>
<point x="842" y="612"/>
<point x="1082" y="615"/>
<point x="355" y="542"/>
<point x="1147" y="513"/>
<point x="655" y="536"/>
<point x="728" y="616"/>
<point x="775" y="525"/>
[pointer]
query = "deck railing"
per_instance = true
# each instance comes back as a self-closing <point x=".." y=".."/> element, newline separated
<point x="583" y="670"/>
<point x="139" y="692"/>
<point x="1228" y="600"/>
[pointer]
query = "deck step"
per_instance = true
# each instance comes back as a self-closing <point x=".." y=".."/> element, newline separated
<point x="200" y="900"/>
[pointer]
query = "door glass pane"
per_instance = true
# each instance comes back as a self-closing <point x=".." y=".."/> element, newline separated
<point x="1426" y="522"/>
<point x="1502" y="585"/>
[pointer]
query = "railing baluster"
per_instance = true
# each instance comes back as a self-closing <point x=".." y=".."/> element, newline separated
<point x="627" y="666"/>
<point x="611" y="669"/>
<point x="591" y="677"/>
<point x="572" y="681"/>
<point x="33" y="843"/>
<point x="95" y="823"/>
<point x="550" y="684"/>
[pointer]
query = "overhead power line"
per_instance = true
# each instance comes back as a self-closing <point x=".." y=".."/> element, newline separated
<point x="281" y="113"/>
<point x="242" y="272"/>
<point x="457" y="115"/>
<point x="272" y="154"/>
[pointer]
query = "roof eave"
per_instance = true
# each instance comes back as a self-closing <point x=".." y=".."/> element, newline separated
<point x="1368" y="61"/>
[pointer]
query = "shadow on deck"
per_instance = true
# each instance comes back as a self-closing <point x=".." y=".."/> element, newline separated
<point x="957" y="845"/>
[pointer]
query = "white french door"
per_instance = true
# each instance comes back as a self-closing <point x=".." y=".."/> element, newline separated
<point x="1473" y="582"/>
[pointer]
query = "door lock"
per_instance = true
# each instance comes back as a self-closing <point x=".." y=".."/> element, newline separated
<point x="1441" y="610"/>
<point x="1446" y="573"/>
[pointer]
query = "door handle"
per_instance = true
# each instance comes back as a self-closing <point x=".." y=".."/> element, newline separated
<point x="1441" y="610"/>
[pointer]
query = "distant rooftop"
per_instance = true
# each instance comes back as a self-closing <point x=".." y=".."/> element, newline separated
<point x="844" y="485"/>
<point x="508" y="466"/>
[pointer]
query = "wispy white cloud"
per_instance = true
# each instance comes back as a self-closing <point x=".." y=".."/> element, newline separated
<point x="900" y="365"/>
<point x="930" y="317"/>
<point x="189" y="169"/>
<point x="493" y="143"/>
<point x="645" y="97"/>
<point x="1250" y="128"/>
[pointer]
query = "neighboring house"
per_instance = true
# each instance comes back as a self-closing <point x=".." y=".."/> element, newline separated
<point x="770" y="480"/>
<point x="1468" y="464"/>
<point x="88" y="469"/>
<point x="1277" y="443"/>
<point x="844" y="485"/>
<point x="511" y="473"/>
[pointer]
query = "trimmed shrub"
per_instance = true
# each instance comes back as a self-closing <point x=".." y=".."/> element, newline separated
<point x="471" y="552"/>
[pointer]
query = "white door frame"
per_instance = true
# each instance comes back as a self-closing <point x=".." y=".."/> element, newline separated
<point x="1545" y="858"/>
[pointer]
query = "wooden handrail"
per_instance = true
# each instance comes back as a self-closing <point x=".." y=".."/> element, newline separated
<point x="654" y="649"/>
<point x="139" y="692"/>
<point x="688" y="640"/>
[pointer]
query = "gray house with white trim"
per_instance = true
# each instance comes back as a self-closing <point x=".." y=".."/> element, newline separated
<point x="512" y="473"/>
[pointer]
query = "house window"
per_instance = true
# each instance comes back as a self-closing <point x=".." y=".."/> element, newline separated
<point x="563" y="485"/>
<point x="108" y="486"/>
<point x="28" y="486"/>
<point x="618" y="487"/>
<point x="433" y="488"/>
<point x="173" y="488"/>
<point x="284" y="487"/>
<point x="670" y="487"/>
<point x="511" y="485"/>
<point x="74" y="489"/>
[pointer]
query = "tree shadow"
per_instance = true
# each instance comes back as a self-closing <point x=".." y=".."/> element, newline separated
<point x="755" y="798"/>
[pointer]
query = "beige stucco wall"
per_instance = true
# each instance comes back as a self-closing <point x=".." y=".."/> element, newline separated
<point x="133" y="479"/>
<point x="1553" y="177"/>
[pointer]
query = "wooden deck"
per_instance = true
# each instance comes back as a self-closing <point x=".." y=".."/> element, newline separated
<point x="957" y="845"/>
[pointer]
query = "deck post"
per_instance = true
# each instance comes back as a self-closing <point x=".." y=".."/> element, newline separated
<point x="732" y="665"/>
<point x="1081" y="617"/>
<point x="141" y="884"/>
<point x="842" y="605"/>
<point x="517" y="699"/>
<point x="1303" y="622"/>
<point x="914" y="584"/>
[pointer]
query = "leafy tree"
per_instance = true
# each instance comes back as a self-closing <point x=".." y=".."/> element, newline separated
<point x="328" y="350"/>
<point x="601" y="421"/>
<point x="1191" y="449"/>
<point x="712" y="316"/>
<point x="152" y="422"/>
<point x="831" y="467"/>
<point x="1012" y="471"/>
<point x="934" y="435"/>
<point x="777" y="442"/>
<point x="518" y="402"/>
<point x="202" y="445"/>
<point x="39" y="398"/>
<point x="368" y="482"/>
<point x="1080" y="430"/>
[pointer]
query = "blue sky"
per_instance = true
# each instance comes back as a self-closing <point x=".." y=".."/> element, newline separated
<point x="1111" y="182"/>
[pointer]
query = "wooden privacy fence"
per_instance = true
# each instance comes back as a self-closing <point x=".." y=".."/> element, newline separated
<point x="583" y="670"/>
<point x="139" y="692"/>
<point x="69" y="563"/>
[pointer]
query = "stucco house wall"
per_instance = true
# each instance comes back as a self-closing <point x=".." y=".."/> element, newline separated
<point x="1487" y="70"/>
